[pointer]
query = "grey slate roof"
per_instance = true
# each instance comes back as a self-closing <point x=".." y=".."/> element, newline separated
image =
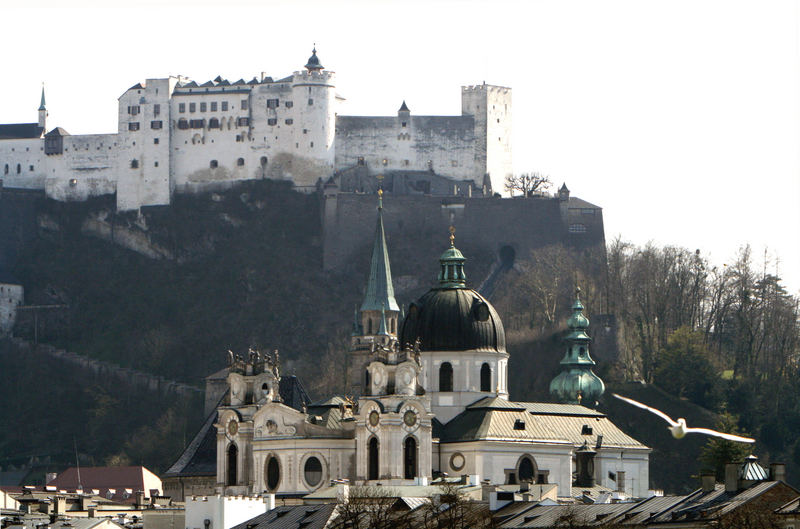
<point x="576" y="515"/>
<point x="17" y="131"/>
<point x="291" y="517"/>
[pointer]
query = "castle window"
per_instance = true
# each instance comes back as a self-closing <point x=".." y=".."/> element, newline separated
<point x="577" y="228"/>
<point x="312" y="471"/>
<point x="310" y="101"/>
<point x="403" y="124"/>
<point x="156" y="109"/>
<point x="213" y="123"/>
<point x="73" y="182"/>
<point x="385" y="161"/>
<point x="312" y="144"/>
<point x="134" y="164"/>
<point x="155" y="164"/>
<point x="289" y="121"/>
<point x="446" y="377"/>
<point x="224" y="106"/>
<point x="272" y="103"/>
<point x="197" y="123"/>
<point x="5" y="171"/>
<point x="410" y="458"/>
<point x="244" y="104"/>
<point x="272" y="121"/>
<point x="360" y="160"/>
<point x="263" y="161"/>
<point x="430" y="165"/>
<point x="289" y="104"/>
<point x="486" y="377"/>
<point x="192" y="107"/>
<point x="213" y="106"/>
<point x="203" y="106"/>
<point x="156" y="125"/>
<point x="181" y="107"/>
<point x="213" y="164"/>
<point x="183" y="124"/>
<point x="133" y="125"/>
<point x="133" y="110"/>
<point x="30" y="168"/>
<point x="233" y="456"/>
<point x="406" y="163"/>
<point x="273" y="473"/>
<point x="242" y="122"/>
<point x="372" y="459"/>
<point x="240" y="162"/>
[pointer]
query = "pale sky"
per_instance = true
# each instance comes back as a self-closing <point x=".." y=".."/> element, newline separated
<point x="680" y="118"/>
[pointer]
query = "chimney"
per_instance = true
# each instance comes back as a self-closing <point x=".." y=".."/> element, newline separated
<point x="731" y="477"/>
<point x="621" y="481"/>
<point x="708" y="482"/>
<point x="777" y="472"/>
<point x="269" y="501"/>
<point x="524" y="486"/>
<point x="92" y="511"/>
<point x="140" y="499"/>
<point x="59" y="505"/>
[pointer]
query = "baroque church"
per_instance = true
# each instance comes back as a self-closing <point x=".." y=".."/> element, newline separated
<point x="429" y="398"/>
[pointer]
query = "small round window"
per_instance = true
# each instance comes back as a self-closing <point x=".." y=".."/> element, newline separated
<point x="313" y="471"/>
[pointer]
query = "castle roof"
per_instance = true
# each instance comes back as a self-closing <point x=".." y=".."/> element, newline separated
<point x="313" y="61"/>
<point x="41" y="104"/>
<point x="18" y="131"/>
<point x="58" y="131"/>
<point x="404" y="107"/>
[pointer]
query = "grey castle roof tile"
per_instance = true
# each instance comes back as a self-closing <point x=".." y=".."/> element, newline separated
<point x="17" y="131"/>
<point x="292" y="517"/>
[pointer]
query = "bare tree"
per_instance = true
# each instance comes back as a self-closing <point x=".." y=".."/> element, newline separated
<point x="527" y="183"/>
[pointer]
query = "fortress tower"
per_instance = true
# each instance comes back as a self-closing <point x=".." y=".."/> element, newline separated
<point x="491" y="107"/>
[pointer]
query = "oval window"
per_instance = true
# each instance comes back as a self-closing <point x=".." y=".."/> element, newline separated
<point x="313" y="471"/>
<point x="273" y="473"/>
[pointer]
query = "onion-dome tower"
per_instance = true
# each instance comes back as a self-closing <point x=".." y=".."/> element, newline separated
<point x="577" y="384"/>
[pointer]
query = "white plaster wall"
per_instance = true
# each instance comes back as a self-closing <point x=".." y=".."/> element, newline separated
<point x="25" y="153"/>
<point x="466" y="379"/>
<point x="635" y="464"/>
<point x="491" y="106"/>
<point x="336" y="455"/>
<point x="11" y="296"/>
<point x="491" y="459"/>
<point x="224" y="512"/>
<point x="87" y="167"/>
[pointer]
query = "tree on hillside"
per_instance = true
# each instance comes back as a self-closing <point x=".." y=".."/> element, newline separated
<point x="527" y="183"/>
<point x="718" y="452"/>
<point x="684" y="369"/>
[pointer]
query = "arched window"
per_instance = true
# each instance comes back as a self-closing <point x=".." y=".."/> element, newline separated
<point x="372" y="459"/>
<point x="263" y="161"/>
<point x="312" y="471"/>
<point x="527" y="470"/>
<point x="233" y="456"/>
<point x="486" y="377"/>
<point x="214" y="164"/>
<point x="410" y="458"/>
<point x="273" y="473"/>
<point x="369" y="325"/>
<point x="6" y="169"/>
<point x="19" y="168"/>
<point x="446" y="377"/>
<point x="367" y="381"/>
<point x="240" y="162"/>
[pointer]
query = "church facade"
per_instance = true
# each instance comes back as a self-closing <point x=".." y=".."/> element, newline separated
<point x="429" y="397"/>
<point x="176" y="135"/>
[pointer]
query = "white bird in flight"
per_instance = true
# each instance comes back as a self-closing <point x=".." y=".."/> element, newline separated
<point x="679" y="428"/>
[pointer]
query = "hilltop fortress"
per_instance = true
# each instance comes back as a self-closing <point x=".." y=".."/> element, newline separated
<point x="177" y="136"/>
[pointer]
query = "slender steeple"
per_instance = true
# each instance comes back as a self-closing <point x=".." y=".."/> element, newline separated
<point x="380" y="292"/>
<point x="42" y="111"/>
<point x="577" y="384"/>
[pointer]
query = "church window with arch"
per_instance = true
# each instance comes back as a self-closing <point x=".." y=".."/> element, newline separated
<point x="233" y="457"/>
<point x="446" y="377"/>
<point x="372" y="459"/>
<point x="410" y="458"/>
<point x="486" y="377"/>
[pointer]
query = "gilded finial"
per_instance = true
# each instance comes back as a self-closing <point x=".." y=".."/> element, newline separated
<point x="452" y="236"/>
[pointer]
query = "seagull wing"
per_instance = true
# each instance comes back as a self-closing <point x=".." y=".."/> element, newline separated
<point x="648" y="408"/>
<point x="728" y="436"/>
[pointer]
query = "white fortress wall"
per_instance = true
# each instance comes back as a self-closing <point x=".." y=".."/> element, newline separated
<point x="21" y="163"/>
<point x="87" y="167"/>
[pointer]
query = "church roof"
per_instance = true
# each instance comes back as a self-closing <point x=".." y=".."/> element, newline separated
<point x="380" y="292"/>
<point x="18" y="131"/>
<point x="292" y="517"/>
<point x="492" y="419"/>
<point x="570" y="425"/>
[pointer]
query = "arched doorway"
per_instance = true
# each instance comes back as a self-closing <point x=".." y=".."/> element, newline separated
<point x="410" y="458"/>
<point x="233" y="457"/>
<point x="372" y="459"/>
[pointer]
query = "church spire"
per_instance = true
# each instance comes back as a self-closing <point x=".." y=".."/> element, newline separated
<point x="42" y="111"/>
<point x="42" y="105"/>
<point x="380" y="292"/>
<point x="577" y="384"/>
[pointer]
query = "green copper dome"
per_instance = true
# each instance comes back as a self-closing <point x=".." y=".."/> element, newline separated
<point x="451" y="266"/>
<point x="577" y="384"/>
